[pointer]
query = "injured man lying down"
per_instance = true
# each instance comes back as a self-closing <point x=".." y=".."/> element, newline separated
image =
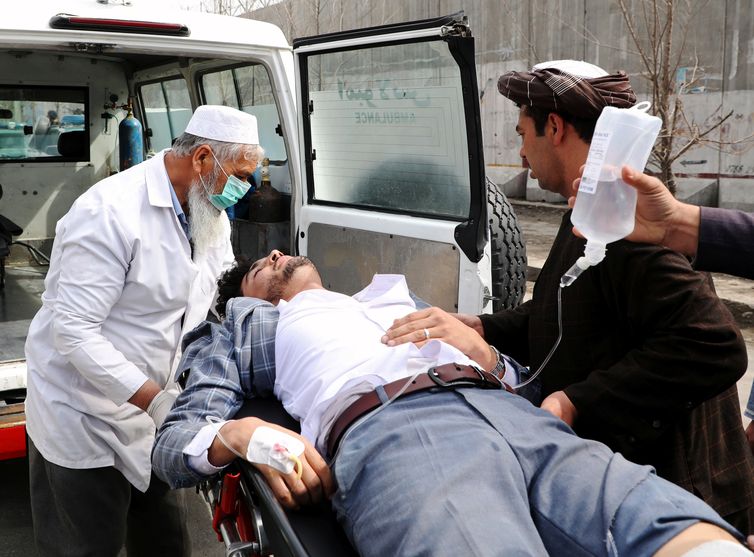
<point x="431" y="453"/>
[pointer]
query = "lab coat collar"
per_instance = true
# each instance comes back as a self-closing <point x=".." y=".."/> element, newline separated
<point x="158" y="181"/>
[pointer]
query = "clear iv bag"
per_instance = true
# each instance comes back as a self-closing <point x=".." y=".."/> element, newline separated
<point x="605" y="204"/>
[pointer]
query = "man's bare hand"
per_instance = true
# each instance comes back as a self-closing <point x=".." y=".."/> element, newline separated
<point x="660" y="218"/>
<point x="559" y="405"/>
<point x="472" y="321"/>
<point x="574" y="191"/>
<point x="292" y="492"/>
<point x="314" y="485"/>
<point x="443" y="326"/>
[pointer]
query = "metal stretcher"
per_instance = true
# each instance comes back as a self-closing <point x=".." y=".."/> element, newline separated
<point x="251" y="522"/>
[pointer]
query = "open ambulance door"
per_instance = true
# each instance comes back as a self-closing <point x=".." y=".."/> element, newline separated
<point x="393" y="172"/>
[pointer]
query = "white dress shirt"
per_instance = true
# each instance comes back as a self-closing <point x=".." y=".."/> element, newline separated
<point x="351" y="363"/>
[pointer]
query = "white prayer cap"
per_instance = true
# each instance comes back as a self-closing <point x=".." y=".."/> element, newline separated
<point x="223" y="123"/>
<point x="573" y="67"/>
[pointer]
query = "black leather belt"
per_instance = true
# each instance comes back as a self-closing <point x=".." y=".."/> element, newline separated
<point x="447" y="376"/>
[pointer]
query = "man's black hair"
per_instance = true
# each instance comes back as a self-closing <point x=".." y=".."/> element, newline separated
<point x="583" y="127"/>
<point x="229" y="283"/>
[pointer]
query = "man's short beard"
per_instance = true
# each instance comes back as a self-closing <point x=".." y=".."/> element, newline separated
<point x="276" y="289"/>
<point x="205" y="223"/>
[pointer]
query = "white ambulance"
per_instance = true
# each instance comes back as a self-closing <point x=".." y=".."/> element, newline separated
<point x="373" y="139"/>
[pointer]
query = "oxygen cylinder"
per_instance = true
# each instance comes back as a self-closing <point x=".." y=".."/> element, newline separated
<point x="131" y="141"/>
<point x="266" y="203"/>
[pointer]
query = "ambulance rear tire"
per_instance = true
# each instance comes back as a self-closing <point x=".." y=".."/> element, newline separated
<point x="507" y="249"/>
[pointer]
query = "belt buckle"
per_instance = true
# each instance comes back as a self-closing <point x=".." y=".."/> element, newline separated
<point x="484" y="381"/>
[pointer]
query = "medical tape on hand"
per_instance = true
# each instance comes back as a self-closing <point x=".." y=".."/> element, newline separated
<point x="268" y="446"/>
<point x="276" y="449"/>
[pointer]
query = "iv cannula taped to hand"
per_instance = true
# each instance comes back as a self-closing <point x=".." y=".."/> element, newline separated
<point x="268" y="446"/>
<point x="605" y="204"/>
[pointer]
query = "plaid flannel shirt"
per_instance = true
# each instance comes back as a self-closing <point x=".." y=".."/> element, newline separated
<point x="227" y="363"/>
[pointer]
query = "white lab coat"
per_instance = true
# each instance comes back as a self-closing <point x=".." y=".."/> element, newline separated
<point x="121" y="291"/>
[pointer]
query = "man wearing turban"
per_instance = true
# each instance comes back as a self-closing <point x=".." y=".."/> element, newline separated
<point x="649" y="356"/>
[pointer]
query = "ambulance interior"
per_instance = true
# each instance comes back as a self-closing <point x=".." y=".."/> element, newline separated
<point x="60" y="113"/>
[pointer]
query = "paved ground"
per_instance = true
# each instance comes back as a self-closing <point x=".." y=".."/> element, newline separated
<point x="15" y="516"/>
<point x="539" y="223"/>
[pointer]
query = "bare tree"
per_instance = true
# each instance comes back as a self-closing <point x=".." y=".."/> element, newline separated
<point x="299" y="18"/>
<point x="660" y="30"/>
<point x="662" y="37"/>
<point x="231" y="7"/>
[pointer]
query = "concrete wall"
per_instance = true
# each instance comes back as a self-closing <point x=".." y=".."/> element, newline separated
<point x="716" y="36"/>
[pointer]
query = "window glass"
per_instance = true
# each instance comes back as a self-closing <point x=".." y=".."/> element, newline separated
<point x="388" y="129"/>
<point x="219" y="88"/>
<point x="167" y="109"/>
<point x="43" y="123"/>
<point x="249" y="88"/>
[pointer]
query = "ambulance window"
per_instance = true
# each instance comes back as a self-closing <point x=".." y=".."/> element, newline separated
<point x="43" y="123"/>
<point x="388" y="129"/>
<point x="249" y="89"/>
<point x="167" y="110"/>
<point x="219" y="88"/>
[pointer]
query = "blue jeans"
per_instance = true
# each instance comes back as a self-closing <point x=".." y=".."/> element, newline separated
<point x="478" y="472"/>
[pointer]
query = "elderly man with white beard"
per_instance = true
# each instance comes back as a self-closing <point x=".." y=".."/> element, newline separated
<point x="133" y="267"/>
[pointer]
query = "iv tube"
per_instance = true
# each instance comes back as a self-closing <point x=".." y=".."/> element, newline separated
<point x="557" y="341"/>
<point x="593" y="254"/>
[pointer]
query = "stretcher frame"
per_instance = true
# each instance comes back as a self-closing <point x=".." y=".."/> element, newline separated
<point x="250" y="521"/>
